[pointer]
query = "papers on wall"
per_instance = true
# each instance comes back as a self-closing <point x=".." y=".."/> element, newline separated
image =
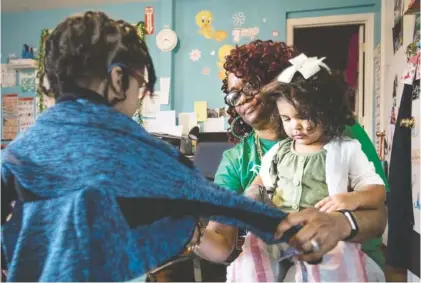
<point x="150" y="106"/>
<point x="163" y="123"/>
<point x="164" y="84"/>
<point x="164" y="90"/>
<point x="26" y="113"/>
<point x="8" y="76"/>
<point x="166" y="118"/>
<point x="187" y="121"/>
<point x="9" y="116"/>
<point x="9" y="104"/>
<point x="201" y="110"/>
<point x="27" y="81"/>
<point x="214" y="125"/>
<point x="10" y="128"/>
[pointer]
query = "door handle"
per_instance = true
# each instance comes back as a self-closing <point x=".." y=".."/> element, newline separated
<point x="408" y="122"/>
<point x="381" y="135"/>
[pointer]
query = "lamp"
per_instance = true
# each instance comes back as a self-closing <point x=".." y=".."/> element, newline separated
<point x="194" y="133"/>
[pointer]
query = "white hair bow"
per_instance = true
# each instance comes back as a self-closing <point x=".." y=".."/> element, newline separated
<point x="306" y="66"/>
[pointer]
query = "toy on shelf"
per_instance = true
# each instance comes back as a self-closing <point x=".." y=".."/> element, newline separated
<point x="27" y="52"/>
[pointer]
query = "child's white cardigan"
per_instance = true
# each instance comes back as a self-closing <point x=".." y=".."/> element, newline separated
<point x="346" y="166"/>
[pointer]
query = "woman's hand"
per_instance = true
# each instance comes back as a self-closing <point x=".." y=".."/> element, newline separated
<point x="217" y="243"/>
<point x="322" y="229"/>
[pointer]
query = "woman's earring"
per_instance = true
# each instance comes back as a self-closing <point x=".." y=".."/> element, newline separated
<point x="236" y="119"/>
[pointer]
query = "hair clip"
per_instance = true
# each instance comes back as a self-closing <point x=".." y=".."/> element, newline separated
<point x="306" y="66"/>
<point x="121" y="65"/>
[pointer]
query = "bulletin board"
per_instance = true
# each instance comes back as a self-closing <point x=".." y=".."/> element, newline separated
<point x="9" y="104"/>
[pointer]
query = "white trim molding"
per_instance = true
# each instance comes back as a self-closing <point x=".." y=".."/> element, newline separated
<point x="341" y="20"/>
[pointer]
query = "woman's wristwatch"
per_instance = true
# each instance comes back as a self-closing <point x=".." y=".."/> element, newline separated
<point x="352" y="222"/>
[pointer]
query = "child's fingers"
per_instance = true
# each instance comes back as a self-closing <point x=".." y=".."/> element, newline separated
<point x="327" y="206"/>
<point x="323" y="202"/>
<point x="333" y="208"/>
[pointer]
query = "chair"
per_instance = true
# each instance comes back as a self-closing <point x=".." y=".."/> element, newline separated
<point x="208" y="155"/>
<point x="209" y="150"/>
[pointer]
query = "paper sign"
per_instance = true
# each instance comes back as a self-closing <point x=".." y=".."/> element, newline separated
<point x="164" y="98"/>
<point x="164" y="87"/>
<point x="149" y="20"/>
<point x="150" y="105"/>
<point x="26" y="109"/>
<point x="10" y="104"/>
<point x="201" y="110"/>
<point x="10" y="116"/>
<point x="164" y="84"/>
<point x="8" y="76"/>
<point x="163" y="123"/>
<point x="188" y="121"/>
<point x="10" y="127"/>
<point x="27" y="81"/>
<point x="167" y="118"/>
<point x="214" y="125"/>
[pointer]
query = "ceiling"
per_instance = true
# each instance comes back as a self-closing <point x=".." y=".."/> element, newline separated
<point x="33" y="5"/>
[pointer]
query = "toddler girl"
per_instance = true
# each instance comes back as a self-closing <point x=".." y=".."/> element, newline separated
<point x="315" y="166"/>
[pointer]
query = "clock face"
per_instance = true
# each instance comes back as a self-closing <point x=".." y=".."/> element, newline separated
<point x="166" y="40"/>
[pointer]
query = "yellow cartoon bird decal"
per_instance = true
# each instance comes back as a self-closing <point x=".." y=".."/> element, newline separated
<point x="223" y="52"/>
<point x="204" y="22"/>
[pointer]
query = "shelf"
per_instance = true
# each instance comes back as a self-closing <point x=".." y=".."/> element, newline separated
<point x="20" y="64"/>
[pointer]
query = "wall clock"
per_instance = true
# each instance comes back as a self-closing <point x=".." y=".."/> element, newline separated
<point x="166" y="40"/>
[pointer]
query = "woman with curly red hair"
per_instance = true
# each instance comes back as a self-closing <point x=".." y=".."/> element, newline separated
<point x="255" y="128"/>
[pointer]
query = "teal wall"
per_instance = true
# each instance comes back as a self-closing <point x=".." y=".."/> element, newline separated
<point x="187" y="81"/>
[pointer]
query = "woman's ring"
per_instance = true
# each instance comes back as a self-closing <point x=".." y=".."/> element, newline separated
<point x="315" y="245"/>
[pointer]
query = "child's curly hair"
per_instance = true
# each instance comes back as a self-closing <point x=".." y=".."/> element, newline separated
<point x="321" y="99"/>
<point x="257" y="63"/>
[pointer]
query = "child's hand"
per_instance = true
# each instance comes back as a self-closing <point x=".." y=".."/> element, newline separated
<point x="337" y="202"/>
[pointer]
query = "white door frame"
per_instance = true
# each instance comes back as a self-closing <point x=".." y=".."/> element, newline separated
<point x="352" y="19"/>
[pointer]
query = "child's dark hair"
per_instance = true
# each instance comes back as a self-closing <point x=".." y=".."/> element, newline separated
<point x="83" y="47"/>
<point x="320" y="99"/>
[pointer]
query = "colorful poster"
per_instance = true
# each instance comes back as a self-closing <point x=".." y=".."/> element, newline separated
<point x="10" y="116"/>
<point x="201" y="110"/>
<point x="397" y="35"/>
<point x="26" y="111"/>
<point x="8" y="76"/>
<point x="27" y="81"/>
<point x="9" y="104"/>
<point x="10" y="127"/>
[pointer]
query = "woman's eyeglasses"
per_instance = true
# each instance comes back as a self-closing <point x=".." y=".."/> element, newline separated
<point x="234" y="97"/>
